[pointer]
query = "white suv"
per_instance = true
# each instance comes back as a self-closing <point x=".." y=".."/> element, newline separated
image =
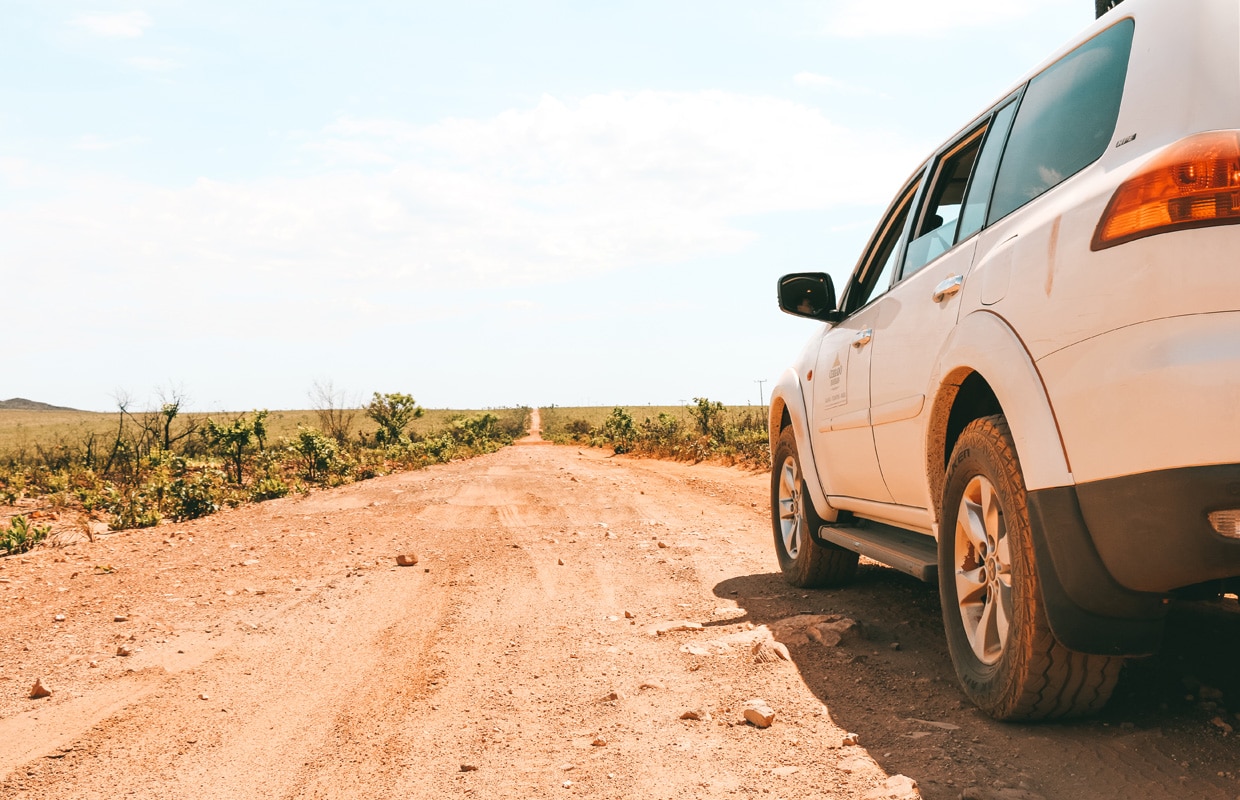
<point x="1029" y="389"/>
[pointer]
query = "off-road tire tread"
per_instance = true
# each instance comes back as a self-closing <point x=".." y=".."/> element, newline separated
<point x="817" y="566"/>
<point x="1052" y="682"/>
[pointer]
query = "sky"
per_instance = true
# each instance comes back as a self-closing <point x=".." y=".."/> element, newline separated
<point x="481" y="204"/>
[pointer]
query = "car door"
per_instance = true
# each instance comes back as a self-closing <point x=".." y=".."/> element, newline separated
<point x="840" y="420"/>
<point x="918" y="314"/>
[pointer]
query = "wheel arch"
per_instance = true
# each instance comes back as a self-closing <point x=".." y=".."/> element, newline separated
<point x="986" y="369"/>
<point x="788" y="409"/>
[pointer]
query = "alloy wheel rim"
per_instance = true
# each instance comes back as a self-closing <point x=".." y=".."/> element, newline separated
<point x="983" y="570"/>
<point x="791" y="513"/>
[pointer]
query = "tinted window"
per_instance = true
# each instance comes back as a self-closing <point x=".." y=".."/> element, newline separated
<point x="974" y="213"/>
<point x="1065" y="121"/>
<point x="874" y="276"/>
<point x="936" y="232"/>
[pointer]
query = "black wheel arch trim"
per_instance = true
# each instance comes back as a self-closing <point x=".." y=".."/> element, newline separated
<point x="1088" y="611"/>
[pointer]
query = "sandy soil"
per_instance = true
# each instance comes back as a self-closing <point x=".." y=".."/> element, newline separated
<point x="277" y="651"/>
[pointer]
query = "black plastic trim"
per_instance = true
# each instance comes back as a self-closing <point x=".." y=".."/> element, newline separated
<point x="1153" y="532"/>
<point x="1087" y="609"/>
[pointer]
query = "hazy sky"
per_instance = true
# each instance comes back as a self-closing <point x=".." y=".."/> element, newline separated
<point x="478" y="203"/>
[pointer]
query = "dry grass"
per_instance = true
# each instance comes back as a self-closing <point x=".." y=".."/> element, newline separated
<point x="26" y="431"/>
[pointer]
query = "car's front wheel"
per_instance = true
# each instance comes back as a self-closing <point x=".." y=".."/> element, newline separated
<point x="805" y="562"/>
<point x="1005" y="655"/>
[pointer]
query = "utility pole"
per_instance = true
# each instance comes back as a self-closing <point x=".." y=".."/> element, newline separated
<point x="761" y="397"/>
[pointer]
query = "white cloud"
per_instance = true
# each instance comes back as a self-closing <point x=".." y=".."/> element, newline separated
<point x="128" y="25"/>
<point x="812" y="80"/>
<point x="920" y="18"/>
<point x="527" y="196"/>
<point x="152" y="64"/>
<point x="91" y="142"/>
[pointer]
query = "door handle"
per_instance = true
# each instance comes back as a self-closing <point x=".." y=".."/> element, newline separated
<point x="863" y="338"/>
<point x="947" y="288"/>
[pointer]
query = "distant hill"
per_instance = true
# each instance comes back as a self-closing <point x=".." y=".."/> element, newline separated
<point x="22" y="404"/>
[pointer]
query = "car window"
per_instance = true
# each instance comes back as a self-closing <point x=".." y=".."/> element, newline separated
<point x="873" y="277"/>
<point x="935" y="232"/>
<point x="975" y="205"/>
<point x="1065" y="121"/>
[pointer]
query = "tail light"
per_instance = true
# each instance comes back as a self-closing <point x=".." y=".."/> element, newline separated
<point x="1227" y="522"/>
<point x="1191" y="184"/>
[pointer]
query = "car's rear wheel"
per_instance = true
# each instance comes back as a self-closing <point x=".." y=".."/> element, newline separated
<point x="805" y="562"/>
<point x="1006" y="657"/>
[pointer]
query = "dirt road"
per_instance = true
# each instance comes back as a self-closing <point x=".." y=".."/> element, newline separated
<point x="276" y="651"/>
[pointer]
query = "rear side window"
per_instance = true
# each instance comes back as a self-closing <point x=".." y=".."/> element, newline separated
<point x="1065" y="121"/>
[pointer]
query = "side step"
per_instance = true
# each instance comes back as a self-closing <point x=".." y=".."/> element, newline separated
<point x="914" y="553"/>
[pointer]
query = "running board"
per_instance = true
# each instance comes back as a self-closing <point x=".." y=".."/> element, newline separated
<point x="914" y="553"/>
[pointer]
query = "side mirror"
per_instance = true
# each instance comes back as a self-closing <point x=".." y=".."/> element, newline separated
<point x="808" y="294"/>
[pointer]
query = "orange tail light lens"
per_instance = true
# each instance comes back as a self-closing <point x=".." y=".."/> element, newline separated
<point x="1192" y="184"/>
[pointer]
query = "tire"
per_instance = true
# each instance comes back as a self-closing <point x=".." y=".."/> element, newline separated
<point x="1006" y="657"/>
<point x="804" y="562"/>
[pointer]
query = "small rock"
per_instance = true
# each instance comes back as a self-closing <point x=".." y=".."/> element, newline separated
<point x="695" y="650"/>
<point x="672" y="627"/>
<point x="406" y="559"/>
<point x="611" y="696"/>
<point x="825" y="629"/>
<point x="120" y="618"/>
<point x="894" y="645"/>
<point x="784" y="772"/>
<point x="854" y="764"/>
<point x="630" y="615"/>
<point x="697" y="715"/>
<point x="124" y="651"/>
<point x="568" y="767"/>
<point x="759" y="713"/>
<point x="1210" y="693"/>
<point x="468" y="768"/>
<point x="943" y="726"/>
<point x="662" y="544"/>
<point x="560" y="561"/>
<point x="567" y="784"/>
<point x="60" y="617"/>
<point x="39" y="690"/>
<point x="204" y="696"/>
<point x="94" y="664"/>
<point x="1221" y="725"/>
<point x="851" y="740"/>
<point x="652" y="684"/>
<point x="599" y="743"/>
<point x="767" y="651"/>
<point x="897" y="787"/>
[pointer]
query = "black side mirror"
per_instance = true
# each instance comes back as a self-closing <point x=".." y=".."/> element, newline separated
<point x="808" y="294"/>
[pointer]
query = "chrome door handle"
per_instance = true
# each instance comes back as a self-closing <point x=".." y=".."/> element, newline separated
<point x="863" y="338"/>
<point x="947" y="288"/>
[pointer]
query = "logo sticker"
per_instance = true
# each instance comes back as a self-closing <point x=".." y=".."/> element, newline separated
<point x="837" y="389"/>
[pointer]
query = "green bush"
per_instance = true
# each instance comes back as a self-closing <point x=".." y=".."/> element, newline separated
<point x="20" y="536"/>
<point x="268" y="488"/>
<point x="317" y="455"/>
<point x="131" y="508"/>
<point x="195" y="494"/>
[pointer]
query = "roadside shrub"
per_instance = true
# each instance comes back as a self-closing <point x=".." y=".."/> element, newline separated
<point x="706" y="429"/>
<point x="269" y="487"/>
<point x="392" y="412"/>
<point x="232" y="441"/>
<point x="195" y="494"/>
<point x="166" y="464"/>
<point x="131" y="508"/>
<point x="317" y="455"/>
<point x="20" y="536"/>
<point x="618" y="430"/>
